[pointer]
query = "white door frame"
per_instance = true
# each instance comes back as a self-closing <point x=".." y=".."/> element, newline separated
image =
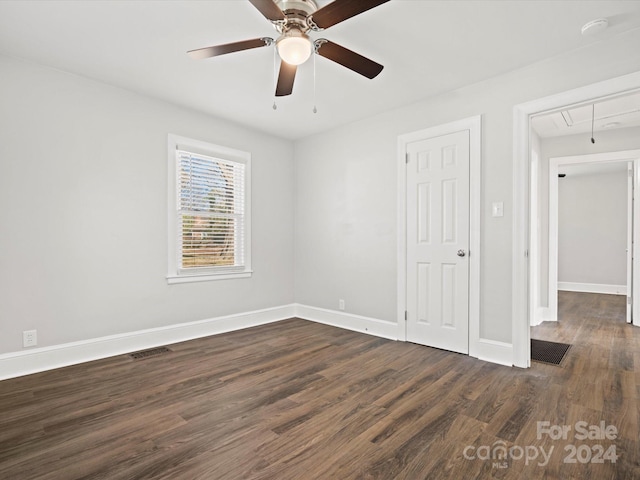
<point x="554" y="164"/>
<point x="633" y="242"/>
<point x="473" y="125"/>
<point x="521" y="195"/>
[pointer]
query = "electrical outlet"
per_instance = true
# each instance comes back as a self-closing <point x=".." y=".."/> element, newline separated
<point x="341" y="304"/>
<point x="29" y="338"/>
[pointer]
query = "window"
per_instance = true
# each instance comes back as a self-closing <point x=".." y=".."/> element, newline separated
<point x="209" y="211"/>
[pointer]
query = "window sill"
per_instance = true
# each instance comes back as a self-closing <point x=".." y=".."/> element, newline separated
<point x="173" y="279"/>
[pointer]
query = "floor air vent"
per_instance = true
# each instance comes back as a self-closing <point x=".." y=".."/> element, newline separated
<point x="149" y="353"/>
<point x="548" y="352"/>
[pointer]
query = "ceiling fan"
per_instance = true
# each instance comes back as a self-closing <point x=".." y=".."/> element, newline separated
<point x="293" y="19"/>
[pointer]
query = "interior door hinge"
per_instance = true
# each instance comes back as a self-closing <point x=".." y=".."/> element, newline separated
<point x="406" y="157"/>
<point x="630" y="300"/>
<point x="405" y="315"/>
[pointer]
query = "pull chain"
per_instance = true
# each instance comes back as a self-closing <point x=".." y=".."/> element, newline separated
<point x="593" y="118"/>
<point x="315" y="110"/>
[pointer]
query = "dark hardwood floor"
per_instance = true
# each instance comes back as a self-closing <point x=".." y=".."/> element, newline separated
<point x="298" y="400"/>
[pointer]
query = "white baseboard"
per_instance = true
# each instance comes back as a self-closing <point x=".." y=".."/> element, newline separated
<point x="537" y="318"/>
<point x="494" y="352"/>
<point x="35" y="360"/>
<point x="542" y="314"/>
<point x="593" y="288"/>
<point x="486" y="350"/>
<point x="348" y="321"/>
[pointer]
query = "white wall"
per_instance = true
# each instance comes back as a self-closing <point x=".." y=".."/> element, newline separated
<point x="345" y="233"/>
<point x="83" y="189"/>
<point x="592" y="227"/>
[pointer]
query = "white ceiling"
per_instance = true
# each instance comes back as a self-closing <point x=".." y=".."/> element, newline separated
<point x="427" y="48"/>
<point x="598" y="168"/>
<point x="618" y="112"/>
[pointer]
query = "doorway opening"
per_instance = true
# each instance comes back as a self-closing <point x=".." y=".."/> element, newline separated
<point x="590" y="230"/>
<point x="590" y="222"/>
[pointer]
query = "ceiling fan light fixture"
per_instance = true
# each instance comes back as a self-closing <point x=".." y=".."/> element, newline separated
<point x="294" y="47"/>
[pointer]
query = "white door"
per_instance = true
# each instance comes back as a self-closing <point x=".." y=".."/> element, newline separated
<point x="438" y="241"/>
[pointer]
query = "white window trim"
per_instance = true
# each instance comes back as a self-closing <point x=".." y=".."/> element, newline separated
<point x="175" y="275"/>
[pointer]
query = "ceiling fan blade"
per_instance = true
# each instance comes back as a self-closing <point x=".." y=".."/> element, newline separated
<point x="347" y="58"/>
<point x="340" y="10"/>
<point x="269" y="9"/>
<point x="285" y="79"/>
<point x="208" y="52"/>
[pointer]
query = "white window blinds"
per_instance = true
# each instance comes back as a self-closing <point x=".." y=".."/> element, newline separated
<point x="210" y="213"/>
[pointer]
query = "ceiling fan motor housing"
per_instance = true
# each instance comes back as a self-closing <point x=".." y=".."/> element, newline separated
<point x="296" y="13"/>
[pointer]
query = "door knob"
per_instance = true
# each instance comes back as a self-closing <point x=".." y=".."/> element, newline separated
<point x="461" y="253"/>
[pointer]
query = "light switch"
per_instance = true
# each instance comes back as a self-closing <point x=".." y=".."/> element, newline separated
<point x="497" y="209"/>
